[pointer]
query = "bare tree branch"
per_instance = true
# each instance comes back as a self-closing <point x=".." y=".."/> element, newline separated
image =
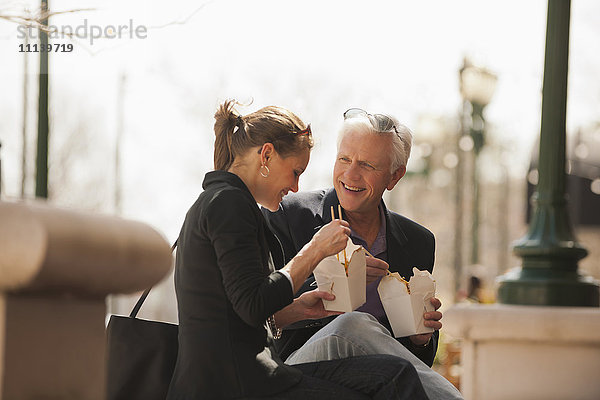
<point x="35" y="20"/>
<point x="185" y="20"/>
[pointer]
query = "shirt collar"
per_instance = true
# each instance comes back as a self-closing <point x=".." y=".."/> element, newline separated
<point x="380" y="244"/>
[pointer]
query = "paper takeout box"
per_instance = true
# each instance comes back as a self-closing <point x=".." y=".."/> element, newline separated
<point x="405" y="311"/>
<point x="349" y="291"/>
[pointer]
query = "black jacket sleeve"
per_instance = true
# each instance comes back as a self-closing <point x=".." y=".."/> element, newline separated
<point x="232" y="224"/>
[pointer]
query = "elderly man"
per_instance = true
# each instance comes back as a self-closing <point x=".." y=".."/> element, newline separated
<point x="373" y="151"/>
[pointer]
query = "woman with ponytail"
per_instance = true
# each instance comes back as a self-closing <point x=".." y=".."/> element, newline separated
<point x="234" y="293"/>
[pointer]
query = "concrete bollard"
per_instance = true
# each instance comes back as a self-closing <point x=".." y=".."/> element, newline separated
<point x="56" y="269"/>
<point x="527" y="352"/>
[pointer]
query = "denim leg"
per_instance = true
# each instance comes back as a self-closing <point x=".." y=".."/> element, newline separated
<point x="380" y="377"/>
<point x="312" y="388"/>
<point x="357" y="333"/>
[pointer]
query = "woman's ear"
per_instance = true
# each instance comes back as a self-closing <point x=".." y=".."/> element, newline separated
<point x="266" y="152"/>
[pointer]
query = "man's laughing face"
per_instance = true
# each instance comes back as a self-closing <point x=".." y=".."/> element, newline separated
<point x="362" y="171"/>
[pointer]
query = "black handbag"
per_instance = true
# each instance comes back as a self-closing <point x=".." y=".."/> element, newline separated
<point x="141" y="356"/>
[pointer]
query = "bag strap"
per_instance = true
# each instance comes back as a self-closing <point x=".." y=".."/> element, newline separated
<point x="142" y="298"/>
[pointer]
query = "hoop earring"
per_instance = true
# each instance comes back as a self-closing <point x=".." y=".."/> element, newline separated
<point x="263" y="174"/>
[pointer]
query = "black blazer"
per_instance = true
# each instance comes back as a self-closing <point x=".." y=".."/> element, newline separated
<point x="225" y="293"/>
<point x="301" y="215"/>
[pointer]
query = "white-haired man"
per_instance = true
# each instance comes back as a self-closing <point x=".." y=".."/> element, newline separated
<point x="372" y="154"/>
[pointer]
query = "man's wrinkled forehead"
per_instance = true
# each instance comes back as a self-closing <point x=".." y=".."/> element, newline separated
<point x="371" y="146"/>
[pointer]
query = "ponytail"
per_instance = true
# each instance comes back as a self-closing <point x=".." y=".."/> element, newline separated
<point x="235" y="134"/>
<point x="227" y="122"/>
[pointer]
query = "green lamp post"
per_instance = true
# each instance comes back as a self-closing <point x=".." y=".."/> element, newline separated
<point x="41" y="176"/>
<point x="550" y="252"/>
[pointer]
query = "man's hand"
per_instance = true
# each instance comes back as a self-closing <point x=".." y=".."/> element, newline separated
<point x="376" y="268"/>
<point x="308" y="305"/>
<point x="432" y="320"/>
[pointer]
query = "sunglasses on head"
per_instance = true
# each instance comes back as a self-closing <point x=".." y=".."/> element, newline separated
<point x="380" y="122"/>
<point x="303" y="131"/>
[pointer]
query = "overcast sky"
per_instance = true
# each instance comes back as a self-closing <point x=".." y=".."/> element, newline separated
<point x="317" y="58"/>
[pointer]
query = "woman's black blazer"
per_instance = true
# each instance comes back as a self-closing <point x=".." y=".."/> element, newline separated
<point x="225" y="292"/>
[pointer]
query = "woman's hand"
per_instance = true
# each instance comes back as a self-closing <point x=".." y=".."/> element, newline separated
<point x="308" y="305"/>
<point x="331" y="238"/>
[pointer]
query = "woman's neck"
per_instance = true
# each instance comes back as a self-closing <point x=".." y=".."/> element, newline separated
<point x="247" y="173"/>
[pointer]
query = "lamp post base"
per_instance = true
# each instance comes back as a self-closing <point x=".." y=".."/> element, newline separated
<point x="548" y="287"/>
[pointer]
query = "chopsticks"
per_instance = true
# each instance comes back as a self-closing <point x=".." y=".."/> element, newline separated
<point x="338" y="255"/>
<point x="332" y="218"/>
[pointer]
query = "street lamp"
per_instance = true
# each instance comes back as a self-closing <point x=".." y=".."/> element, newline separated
<point x="477" y="84"/>
<point x="477" y="87"/>
<point x="549" y="274"/>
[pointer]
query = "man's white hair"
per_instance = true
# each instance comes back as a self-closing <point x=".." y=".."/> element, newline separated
<point x="401" y="142"/>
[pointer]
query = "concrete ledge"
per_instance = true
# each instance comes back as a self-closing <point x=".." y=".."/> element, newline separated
<point x="490" y="322"/>
<point x="56" y="268"/>
<point x="55" y="348"/>
<point x="523" y="352"/>
<point x="45" y="249"/>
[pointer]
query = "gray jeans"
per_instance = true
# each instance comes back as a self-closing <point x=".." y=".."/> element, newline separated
<point x="356" y="334"/>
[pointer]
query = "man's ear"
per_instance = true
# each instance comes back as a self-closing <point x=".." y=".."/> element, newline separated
<point x="396" y="176"/>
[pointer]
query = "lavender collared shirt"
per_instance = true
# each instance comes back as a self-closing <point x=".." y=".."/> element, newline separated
<point x="373" y="304"/>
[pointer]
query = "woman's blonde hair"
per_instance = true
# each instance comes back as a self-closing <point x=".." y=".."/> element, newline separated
<point x="235" y="134"/>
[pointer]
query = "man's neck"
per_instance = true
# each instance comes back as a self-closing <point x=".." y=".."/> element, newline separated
<point x="366" y="225"/>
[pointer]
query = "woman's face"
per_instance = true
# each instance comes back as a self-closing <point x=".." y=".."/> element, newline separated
<point x="283" y="177"/>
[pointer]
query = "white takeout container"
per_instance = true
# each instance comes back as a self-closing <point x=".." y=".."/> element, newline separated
<point x="405" y="311"/>
<point x="349" y="291"/>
